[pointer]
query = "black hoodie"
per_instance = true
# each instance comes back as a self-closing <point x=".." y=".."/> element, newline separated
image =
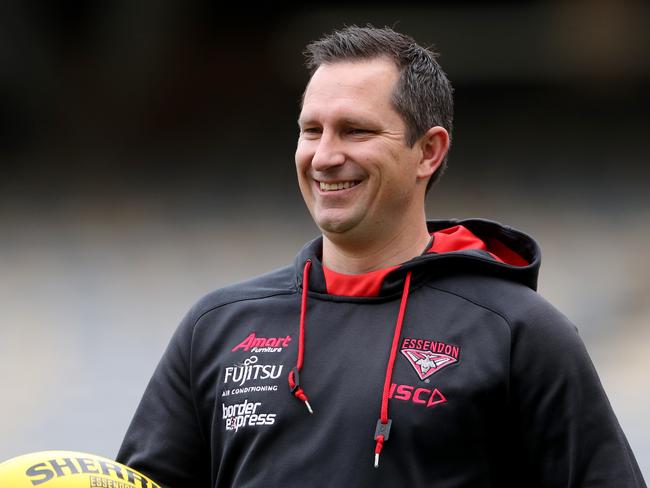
<point x="457" y="373"/>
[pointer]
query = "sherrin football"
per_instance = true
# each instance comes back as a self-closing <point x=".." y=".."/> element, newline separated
<point x="69" y="469"/>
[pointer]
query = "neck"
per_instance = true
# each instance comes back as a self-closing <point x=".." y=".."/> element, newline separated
<point x="377" y="252"/>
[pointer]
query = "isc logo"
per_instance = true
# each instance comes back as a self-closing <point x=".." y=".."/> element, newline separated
<point x="421" y="396"/>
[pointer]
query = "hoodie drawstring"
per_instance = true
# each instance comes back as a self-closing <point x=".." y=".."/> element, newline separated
<point x="294" y="374"/>
<point x="383" y="424"/>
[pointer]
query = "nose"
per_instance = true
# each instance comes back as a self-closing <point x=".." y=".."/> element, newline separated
<point x="329" y="152"/>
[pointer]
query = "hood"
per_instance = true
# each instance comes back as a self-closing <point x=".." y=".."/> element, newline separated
<point x="458" y="247"/>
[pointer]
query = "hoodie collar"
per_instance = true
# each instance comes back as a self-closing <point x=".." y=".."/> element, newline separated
<point x="499" y="250"/>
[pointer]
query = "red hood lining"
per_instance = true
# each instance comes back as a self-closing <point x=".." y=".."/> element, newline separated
<point x="456" y="238"/>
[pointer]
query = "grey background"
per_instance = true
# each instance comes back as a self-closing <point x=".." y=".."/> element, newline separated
<point x="146" y="158"/>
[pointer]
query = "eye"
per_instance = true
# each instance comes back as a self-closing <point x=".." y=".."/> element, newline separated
<point x="357" y="131"/>
<point x="311" y="130"/>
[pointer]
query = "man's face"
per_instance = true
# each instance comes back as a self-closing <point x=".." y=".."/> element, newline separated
<point x="355" y="171"/>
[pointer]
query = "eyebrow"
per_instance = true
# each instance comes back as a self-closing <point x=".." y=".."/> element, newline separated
<point x="346" y="121"/>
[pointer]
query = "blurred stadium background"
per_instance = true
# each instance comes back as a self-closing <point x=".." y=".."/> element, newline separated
<point x="146" y="158"/>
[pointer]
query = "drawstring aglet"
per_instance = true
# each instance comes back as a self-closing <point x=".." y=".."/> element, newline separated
<point x="299" y="393"/>
<point x="378" y="447"/>
<point x="381" y="435"/>
<point x="309" y="407"/>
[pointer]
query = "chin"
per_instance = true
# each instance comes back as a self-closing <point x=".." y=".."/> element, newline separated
<point x="335" y="226"/>
<point x="338" y="220"/>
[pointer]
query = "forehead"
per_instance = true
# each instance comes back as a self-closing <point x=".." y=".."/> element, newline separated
<point x="364" y="86"/>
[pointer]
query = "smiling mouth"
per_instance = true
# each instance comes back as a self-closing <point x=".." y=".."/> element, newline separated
<point x="340" y="185"/>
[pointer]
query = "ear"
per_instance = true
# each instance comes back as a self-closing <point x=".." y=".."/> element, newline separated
<point x="434" y="145"/>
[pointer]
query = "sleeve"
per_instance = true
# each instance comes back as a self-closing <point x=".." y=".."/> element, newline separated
<point x="164" y="440"/>
<point x="569" y="433"/>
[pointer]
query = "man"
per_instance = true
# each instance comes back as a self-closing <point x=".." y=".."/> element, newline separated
<point x="416" y="354"/>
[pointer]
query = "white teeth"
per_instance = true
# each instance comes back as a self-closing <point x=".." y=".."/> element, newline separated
<point x="343" y="185"/>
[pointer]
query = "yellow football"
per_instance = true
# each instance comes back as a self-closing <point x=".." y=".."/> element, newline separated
<point x="69" y="469"/>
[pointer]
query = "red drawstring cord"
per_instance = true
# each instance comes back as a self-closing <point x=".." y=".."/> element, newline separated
<point x="294" y="374"/>
<point x="384" y="423"/>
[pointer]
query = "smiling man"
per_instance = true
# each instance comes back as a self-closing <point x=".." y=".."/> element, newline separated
<point x="361" y="178"/>
<point x="394" y="351"/>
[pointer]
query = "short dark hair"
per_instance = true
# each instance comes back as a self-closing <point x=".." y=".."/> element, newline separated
<point x="423" y="96"/>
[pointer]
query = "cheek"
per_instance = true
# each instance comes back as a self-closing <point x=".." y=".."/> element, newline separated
<point x="303" y="163"/>
<point x="303" y="156"/>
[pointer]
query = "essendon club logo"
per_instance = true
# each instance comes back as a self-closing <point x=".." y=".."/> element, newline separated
<point x="427" y="356"/>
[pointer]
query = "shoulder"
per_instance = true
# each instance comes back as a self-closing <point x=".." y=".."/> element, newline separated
<point x="519" y="305"/>
<point x="278" y="282"/>
<point x="203" y="325"/>
<point x="543" y="342"/>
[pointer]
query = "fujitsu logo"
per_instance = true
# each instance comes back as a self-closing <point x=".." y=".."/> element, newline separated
<point x="250" y="370"/>
<point x="428" y="357"/>
<point x="262" y="344"/>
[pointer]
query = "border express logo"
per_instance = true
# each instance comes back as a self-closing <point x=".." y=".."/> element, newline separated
<point x="428" y="357"/>
<point x="245" y="414"/>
